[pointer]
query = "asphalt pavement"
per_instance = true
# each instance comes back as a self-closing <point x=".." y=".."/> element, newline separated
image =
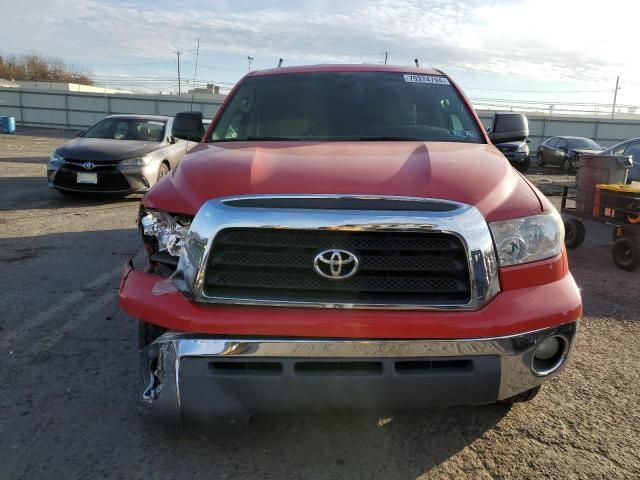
<point x="69" y="371"/>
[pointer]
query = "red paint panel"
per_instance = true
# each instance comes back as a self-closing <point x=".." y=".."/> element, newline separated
<point x="476" y="174"/>
<point x="511" y="312"/>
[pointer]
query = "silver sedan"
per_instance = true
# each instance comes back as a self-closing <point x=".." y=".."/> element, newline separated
<point x="119" y="154"/>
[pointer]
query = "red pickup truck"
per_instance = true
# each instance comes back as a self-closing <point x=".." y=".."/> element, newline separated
<point x="347" y="236"/>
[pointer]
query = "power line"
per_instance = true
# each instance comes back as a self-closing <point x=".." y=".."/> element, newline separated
<point x="535" y="91"/>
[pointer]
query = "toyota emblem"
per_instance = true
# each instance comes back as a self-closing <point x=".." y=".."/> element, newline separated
<point x="336" y="264"/>
<point x="88" y="165"/>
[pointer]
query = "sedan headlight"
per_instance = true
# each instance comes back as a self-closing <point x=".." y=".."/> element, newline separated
<point x="169" y="230"/>
<point x="524" y="148"/>
<point x="136" y="161"/>
<point x="56" y="160"/>
<point x="528" y="239"/>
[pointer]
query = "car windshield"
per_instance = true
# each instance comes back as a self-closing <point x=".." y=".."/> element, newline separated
<point x="347" y="106"/>
<point x="127" y="129"/>
<point x="585" y="143"/>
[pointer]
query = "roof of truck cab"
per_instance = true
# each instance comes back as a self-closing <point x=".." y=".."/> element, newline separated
<point x="337" y="68"/>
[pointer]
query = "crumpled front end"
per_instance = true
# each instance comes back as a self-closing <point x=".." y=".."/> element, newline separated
<point x="209" y="381"/>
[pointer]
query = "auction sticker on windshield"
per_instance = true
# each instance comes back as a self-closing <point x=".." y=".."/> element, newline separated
<point x="426" y="79"/>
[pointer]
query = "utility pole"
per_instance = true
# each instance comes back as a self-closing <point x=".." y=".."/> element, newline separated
<point x="386" y="55"/>
<point x="178" y="53"/>
<point x="615" y="96"/>
<point x="195" y="72"/>
<point x="250" y="59"/>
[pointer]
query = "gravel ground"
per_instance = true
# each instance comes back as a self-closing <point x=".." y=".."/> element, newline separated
<point x="68" y="371"/>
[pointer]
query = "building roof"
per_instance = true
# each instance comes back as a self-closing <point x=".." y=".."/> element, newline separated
<point x="8" y="83"/>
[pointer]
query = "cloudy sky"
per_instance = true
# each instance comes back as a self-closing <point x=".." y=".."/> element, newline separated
<point x="560" y="50"/>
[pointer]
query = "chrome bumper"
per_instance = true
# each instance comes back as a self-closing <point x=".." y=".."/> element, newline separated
<point x="176" y="362"/>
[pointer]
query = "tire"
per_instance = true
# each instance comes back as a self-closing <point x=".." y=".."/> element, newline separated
<point x="626" y="254"/>
<point x="574" y="233"/>
<point x="524" y="166"/>
<point x="540" y="158"/>
<point x="522" y="397"/>
<point x="567" y="166"/>
<point x="147" y="333"/>
<point x="163" y="170"/>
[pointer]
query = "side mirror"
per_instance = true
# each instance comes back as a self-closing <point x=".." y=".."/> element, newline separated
<point x="509" y="127"/>
<point x="528" y="140"/>
<point x="171" y="139"/>
<point x="188" y="126"/>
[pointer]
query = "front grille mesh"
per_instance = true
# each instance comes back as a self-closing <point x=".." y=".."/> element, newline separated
<point x="395" y="267"/>
<point x="109" y="178"/>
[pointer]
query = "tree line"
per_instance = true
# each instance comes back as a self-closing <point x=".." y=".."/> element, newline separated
<point x="37" y="68"/>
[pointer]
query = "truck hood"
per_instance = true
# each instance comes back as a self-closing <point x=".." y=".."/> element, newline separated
<point x="475" y="174"/>
<point x="103" y="149"/>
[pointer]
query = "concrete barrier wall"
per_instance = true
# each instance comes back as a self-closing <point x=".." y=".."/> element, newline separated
<point x="76" y="110"/>
<point x="606" y="132"/>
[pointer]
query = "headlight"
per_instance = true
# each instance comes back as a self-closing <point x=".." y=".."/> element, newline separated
<point x="56" y="160"/>
<point x="528" y="239"/>
<point x="136" y="162"/>
<point x="169" y="230"/>
<point x="524" y="148"/>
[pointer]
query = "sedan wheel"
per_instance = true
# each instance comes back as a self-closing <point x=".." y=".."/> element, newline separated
<point x="567" y="165"/>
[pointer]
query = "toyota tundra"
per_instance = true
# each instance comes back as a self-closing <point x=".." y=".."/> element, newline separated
<point x="347" y="237"/>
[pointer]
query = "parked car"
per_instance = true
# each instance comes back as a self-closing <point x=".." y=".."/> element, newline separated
<point x="564" y="151"/>
<point x="628" y="148"/>
<point x="347" y="236"/>
<point x="119" y="154"/>
<point x="517" y="153"/>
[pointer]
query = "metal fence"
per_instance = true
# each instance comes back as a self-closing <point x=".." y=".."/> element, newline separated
<point x="606" y="132"/>
<point x="76" y="110"/>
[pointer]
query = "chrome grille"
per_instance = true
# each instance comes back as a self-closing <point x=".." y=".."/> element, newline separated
<point x="395" y="267"/>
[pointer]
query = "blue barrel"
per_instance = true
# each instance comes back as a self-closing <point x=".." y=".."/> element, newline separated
<point x="8" y="124"/>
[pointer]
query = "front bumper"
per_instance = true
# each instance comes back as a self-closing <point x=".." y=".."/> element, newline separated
<point x="111" y="178"/>
<point x="205" y="380"/>
<point x="516" y="157"/>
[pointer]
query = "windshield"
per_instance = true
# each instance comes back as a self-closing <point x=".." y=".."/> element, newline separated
<point x="127" y="129"/>
<point x="347" y="106"/>
<point x="585" y="143"/>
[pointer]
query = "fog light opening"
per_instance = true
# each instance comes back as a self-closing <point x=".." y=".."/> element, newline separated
<point x="549" y="355"/>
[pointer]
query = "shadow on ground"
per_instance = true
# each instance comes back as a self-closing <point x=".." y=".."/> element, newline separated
<point x="27" y="193"/>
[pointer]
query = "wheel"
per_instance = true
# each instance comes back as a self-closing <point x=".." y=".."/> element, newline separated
<point x="522" y="397"/>
<point x="147" y="333"/>
<point x="524" y="166"/>
<point x="540" y="158"/>
<point x="625" y="253"/>
<point x="567" y="165"/>
<point x="163" y="170"/>
<point x="574" y="233"/>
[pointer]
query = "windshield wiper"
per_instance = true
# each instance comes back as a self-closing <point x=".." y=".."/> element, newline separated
<point x="268" y="138"/>
<point x="382" y="138"/>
